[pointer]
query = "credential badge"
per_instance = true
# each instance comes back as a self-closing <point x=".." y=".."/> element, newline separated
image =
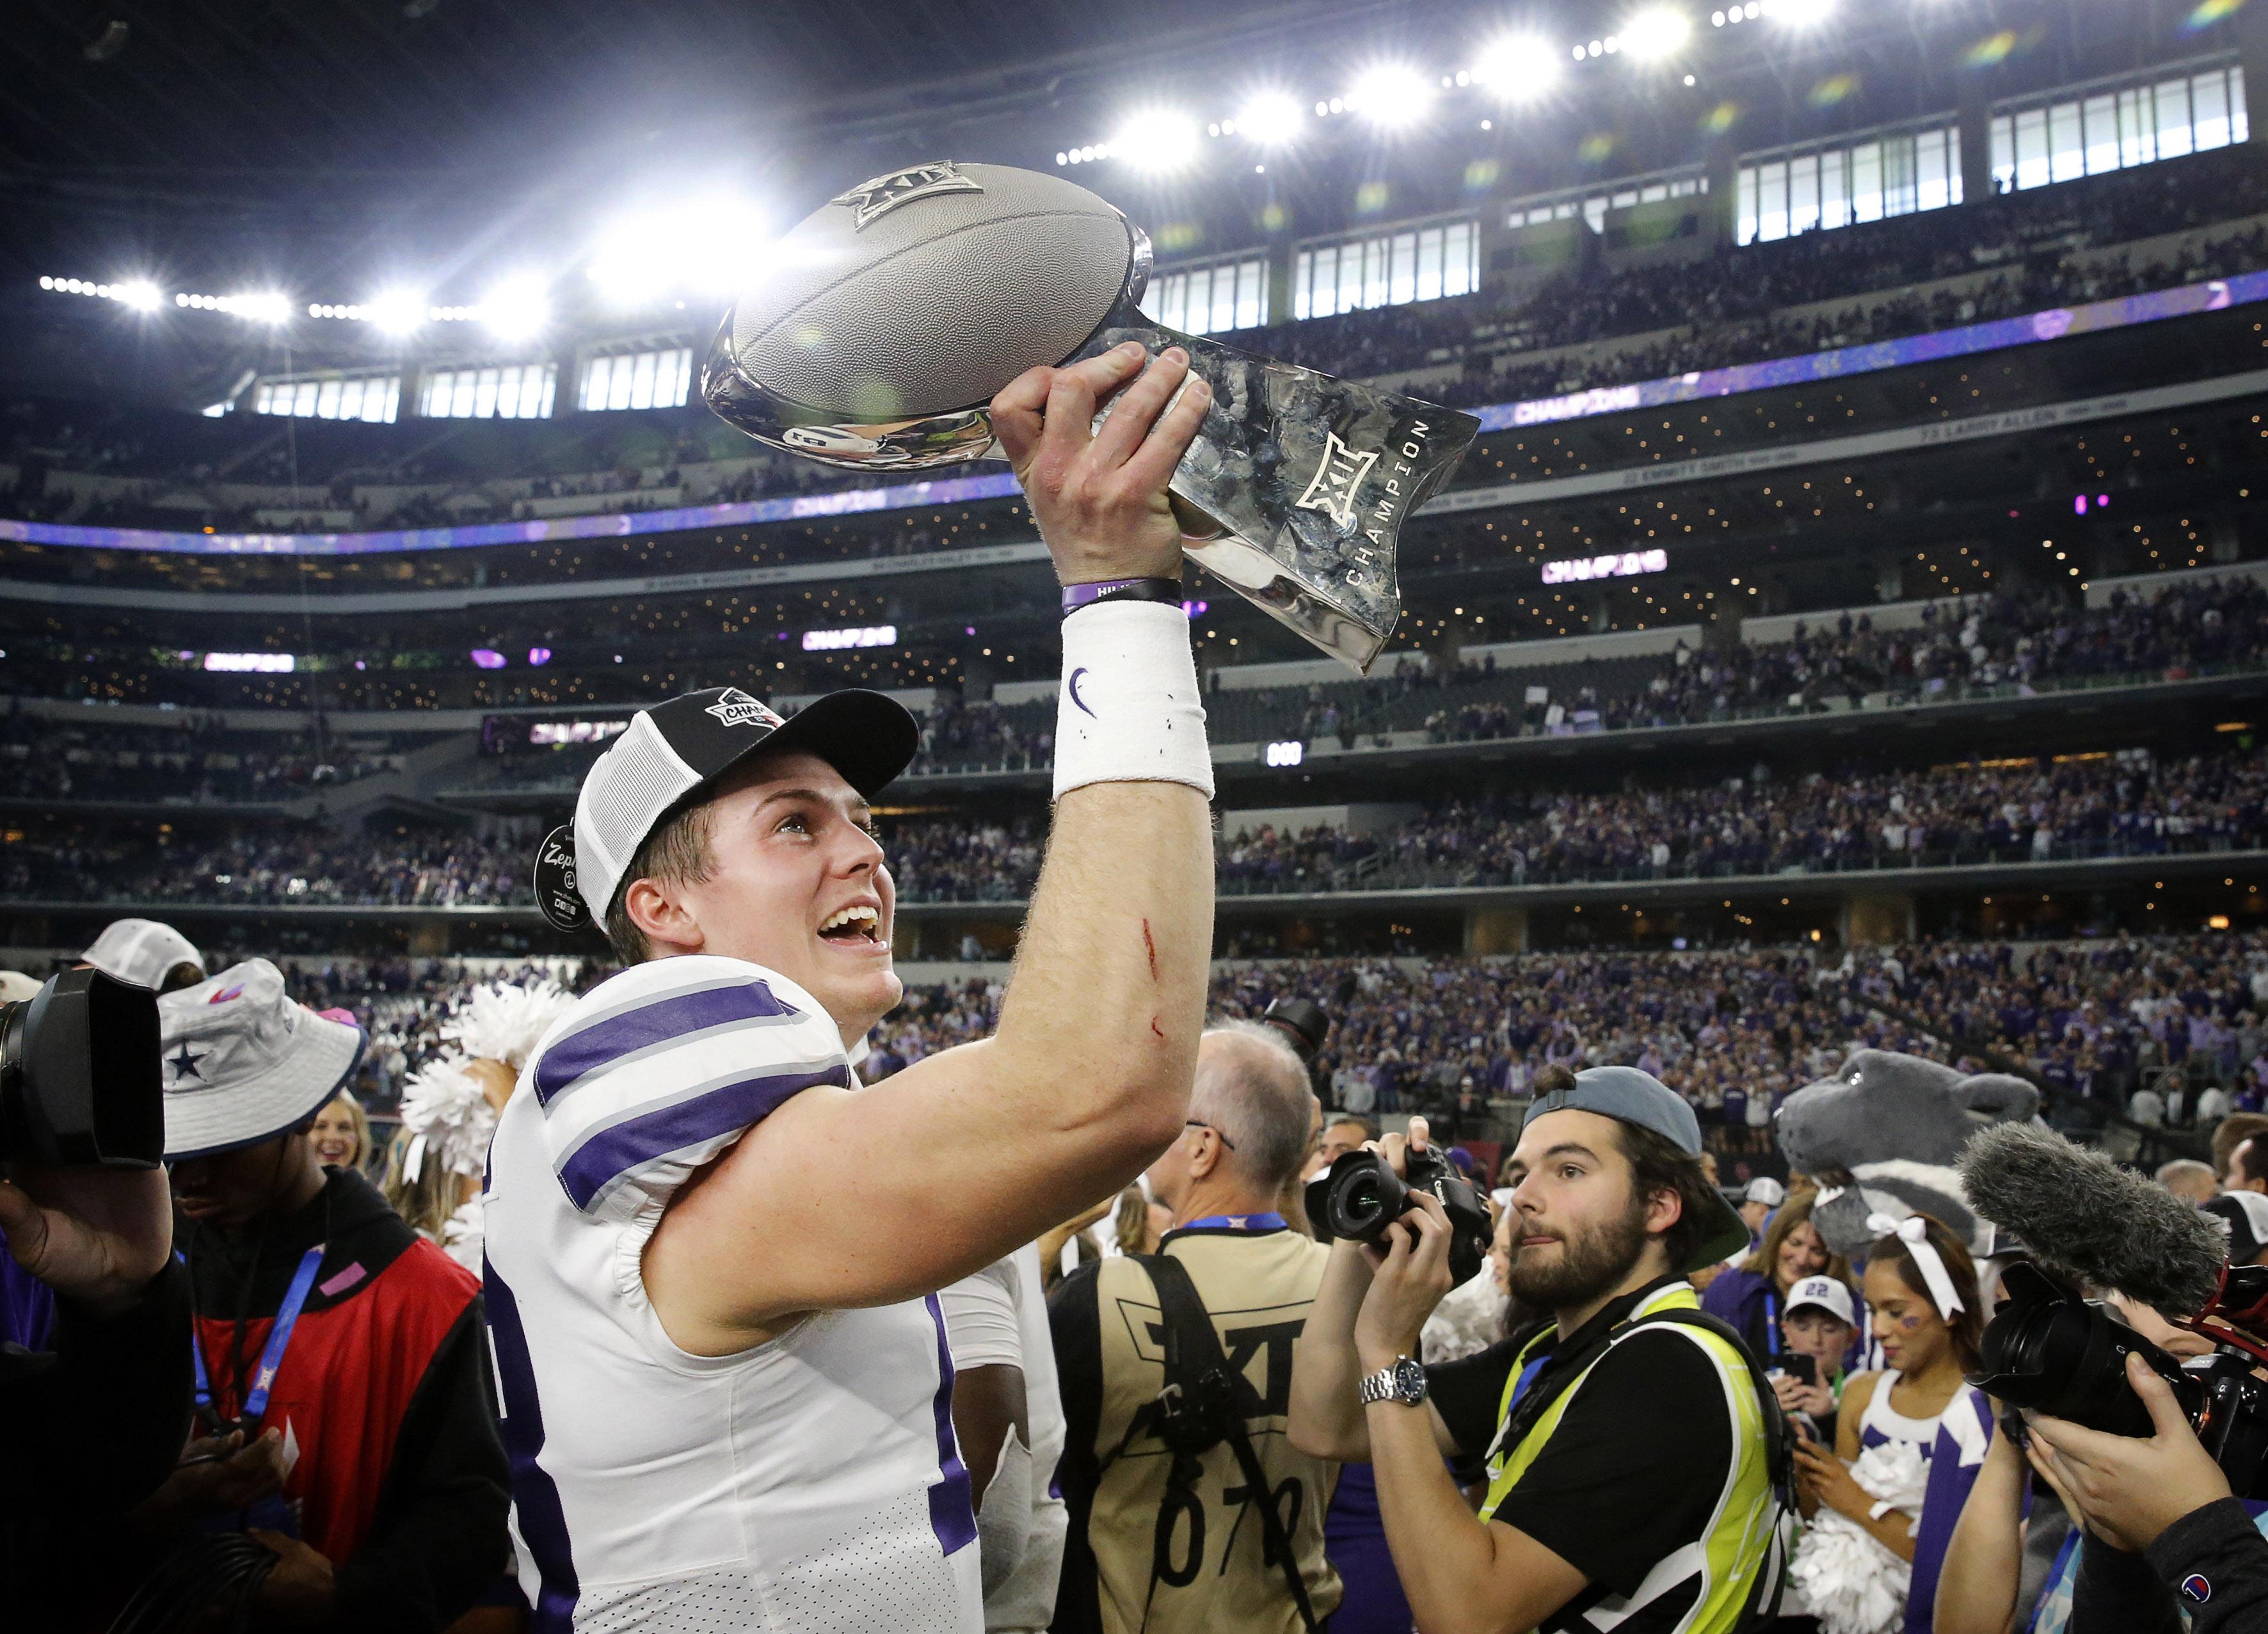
<point x="736" y="708"/>
<point x="1337" y="480"/>
<point x="885" y="193"/>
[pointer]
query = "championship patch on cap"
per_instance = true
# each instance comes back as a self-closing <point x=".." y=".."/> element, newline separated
<point x="556" y="899"/>
<point x="735" y="708"/>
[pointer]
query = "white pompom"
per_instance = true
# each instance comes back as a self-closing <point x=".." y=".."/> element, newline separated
<point x="443" y="1103"/>
<point x="1848" y="1580"/>
<point x="504" y="1022"/>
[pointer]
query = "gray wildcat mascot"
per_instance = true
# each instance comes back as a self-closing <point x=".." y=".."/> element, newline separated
<point x="1881" y="1137"/>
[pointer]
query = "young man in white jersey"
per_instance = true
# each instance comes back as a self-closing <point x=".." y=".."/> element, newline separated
<point x="712" y="1266"/>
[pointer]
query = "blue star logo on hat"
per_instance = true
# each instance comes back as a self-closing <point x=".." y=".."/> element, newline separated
<point x="736" y="708"/>
<point x="184" y="1062"/>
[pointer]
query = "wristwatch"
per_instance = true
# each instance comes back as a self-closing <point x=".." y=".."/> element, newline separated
<point x="1404" y="1382"/>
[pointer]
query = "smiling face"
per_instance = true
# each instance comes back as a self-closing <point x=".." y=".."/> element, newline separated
<point x="796" y="883"/>
<point x="335" y="1138"/>
<point x="1801" y="1254"/>
<point x="1912" y="1333"/>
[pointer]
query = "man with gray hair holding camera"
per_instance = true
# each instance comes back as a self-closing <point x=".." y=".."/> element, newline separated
<point x="1190" y="1510"/>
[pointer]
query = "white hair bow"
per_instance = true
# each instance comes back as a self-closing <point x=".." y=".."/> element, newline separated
<point x="1913" y="1231"/>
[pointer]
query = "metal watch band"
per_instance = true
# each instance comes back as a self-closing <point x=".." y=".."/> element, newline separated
<point x="1077" y="596"/>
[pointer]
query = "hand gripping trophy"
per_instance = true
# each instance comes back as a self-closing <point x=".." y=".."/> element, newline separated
<point x="877" y="330"/>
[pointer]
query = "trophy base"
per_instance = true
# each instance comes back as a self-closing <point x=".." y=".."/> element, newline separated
<point x="1294" y="493"/>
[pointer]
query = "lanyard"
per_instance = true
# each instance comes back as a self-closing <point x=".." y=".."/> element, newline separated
<point x="1519" y="1388"/>
<point x="1236" y="1222"/>
<point x="279" y="1336"/>
<point x="1771" y="1322"/>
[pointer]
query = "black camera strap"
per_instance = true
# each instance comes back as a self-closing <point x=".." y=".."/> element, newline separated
<point x="1196" y="1411"/>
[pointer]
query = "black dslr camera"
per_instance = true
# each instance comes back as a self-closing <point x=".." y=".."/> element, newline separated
<point x="2052" y="1351"/>
<point x="79" y="1082"/>
<point x="1360" y="1196"/>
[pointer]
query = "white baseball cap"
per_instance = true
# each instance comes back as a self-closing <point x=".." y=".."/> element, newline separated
<point x="243" y="1062"/>
<point x="142" y="951"/>
<point x="1766" y="1191"/>
<point x="1828" y="1294"/>
<point x="672" y="750"/>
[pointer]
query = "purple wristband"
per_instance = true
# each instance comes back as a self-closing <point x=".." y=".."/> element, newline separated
<point x="1077" y="596"/>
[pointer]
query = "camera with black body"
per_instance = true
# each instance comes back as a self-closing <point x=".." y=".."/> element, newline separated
<point x="1360" y="1196"/>
<point x="79" y="1075"/>
<point x="2053" y="1352"/>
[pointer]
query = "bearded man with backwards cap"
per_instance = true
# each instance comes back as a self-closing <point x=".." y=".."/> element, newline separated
<point x="712" y="1265"/>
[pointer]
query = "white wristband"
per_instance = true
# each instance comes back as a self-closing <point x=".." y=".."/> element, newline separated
<point x="1128" y="711"/>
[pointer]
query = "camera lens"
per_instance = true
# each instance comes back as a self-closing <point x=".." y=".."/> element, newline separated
<point x="79" y="1075"/>
<point x="2050" y="1351"/>
<point x="1365" y="1199"/>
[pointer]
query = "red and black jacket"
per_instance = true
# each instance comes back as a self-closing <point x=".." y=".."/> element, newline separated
<point x="384" y="1393"/>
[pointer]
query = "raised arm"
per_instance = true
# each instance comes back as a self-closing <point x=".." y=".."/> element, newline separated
<point x="841" y="1199"/>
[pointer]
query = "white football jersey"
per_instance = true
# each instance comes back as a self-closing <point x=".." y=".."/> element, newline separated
<point x="811" y="1484"/>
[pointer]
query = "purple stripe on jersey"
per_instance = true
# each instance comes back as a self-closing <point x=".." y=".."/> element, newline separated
<point x="661" y="1022"/>
<point x="535" y="1495"/>
<point x="635" y="1142"/>
<point x="951" y="1505"/>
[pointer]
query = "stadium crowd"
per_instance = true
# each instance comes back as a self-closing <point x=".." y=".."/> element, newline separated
<point x="2017" y="811"/>
<point x="196" y="762"/>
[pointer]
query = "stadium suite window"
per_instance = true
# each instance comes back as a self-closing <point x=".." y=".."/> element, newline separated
<point x="498" y="390"/>
<point x="1421" y="262"/>
<point x="1204" y="300"/>
<point x="2089" y="130"/>
<point x="374" y="398"/>
<point x="1896" y="173"/>
<point x="657" y="379"/>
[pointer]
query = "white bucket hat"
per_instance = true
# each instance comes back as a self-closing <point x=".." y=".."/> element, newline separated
<point x="142" y="951"/>
<point x="243" y="1062"/>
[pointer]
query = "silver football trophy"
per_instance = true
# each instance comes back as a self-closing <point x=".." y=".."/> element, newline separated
<point x="881" y="327"/>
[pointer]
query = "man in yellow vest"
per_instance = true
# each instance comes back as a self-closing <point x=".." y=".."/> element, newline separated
<point x="1634" y="1475"/>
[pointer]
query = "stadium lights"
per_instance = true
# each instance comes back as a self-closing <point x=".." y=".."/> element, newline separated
<point x="396" y="311"/>
<point x="264" y="307"/>
<point x="1156" y="139"/>
<point x="1518" y="67"/>
<point x="1271" y="119"/>
<point x="1656" y="31"/>
<point x="138" y="293"/>
<point x="1391" y="96"/>
<point x="713" y="246"/>
<point x="516" y="308"/>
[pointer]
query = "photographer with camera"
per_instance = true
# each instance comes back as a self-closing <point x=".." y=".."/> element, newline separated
<point x="2164" y="1533"/>
<point x="2145" y="1446"/>
<point x="94" y="1315"/>
<point x="1189" y="1509"/>
<point x="96" y="1400"/>
<point x="1634" y="1457"/>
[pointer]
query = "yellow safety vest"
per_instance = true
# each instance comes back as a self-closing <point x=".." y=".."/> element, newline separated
<point x="1744" y="1536"/>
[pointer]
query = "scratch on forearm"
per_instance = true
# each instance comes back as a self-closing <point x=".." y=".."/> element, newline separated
<point x="1154" y="1028"/>
<point x="1151" y="943"/>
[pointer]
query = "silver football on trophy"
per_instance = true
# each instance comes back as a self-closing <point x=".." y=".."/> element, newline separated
<point x="880" y="328"/>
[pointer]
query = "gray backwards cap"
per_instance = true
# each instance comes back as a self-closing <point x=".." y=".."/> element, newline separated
<point x="1629" y="1096"/>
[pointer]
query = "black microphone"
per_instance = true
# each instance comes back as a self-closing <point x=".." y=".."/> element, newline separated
<point x="2081" y="1213"/>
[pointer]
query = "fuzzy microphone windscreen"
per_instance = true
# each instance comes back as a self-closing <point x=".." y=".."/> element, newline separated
<point x="2078" y="1210"/>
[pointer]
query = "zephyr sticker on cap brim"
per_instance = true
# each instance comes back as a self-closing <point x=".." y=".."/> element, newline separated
<point x="556" y="899"/>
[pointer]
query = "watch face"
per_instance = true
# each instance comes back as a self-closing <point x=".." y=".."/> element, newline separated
<point x="1409" y="1382"/>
